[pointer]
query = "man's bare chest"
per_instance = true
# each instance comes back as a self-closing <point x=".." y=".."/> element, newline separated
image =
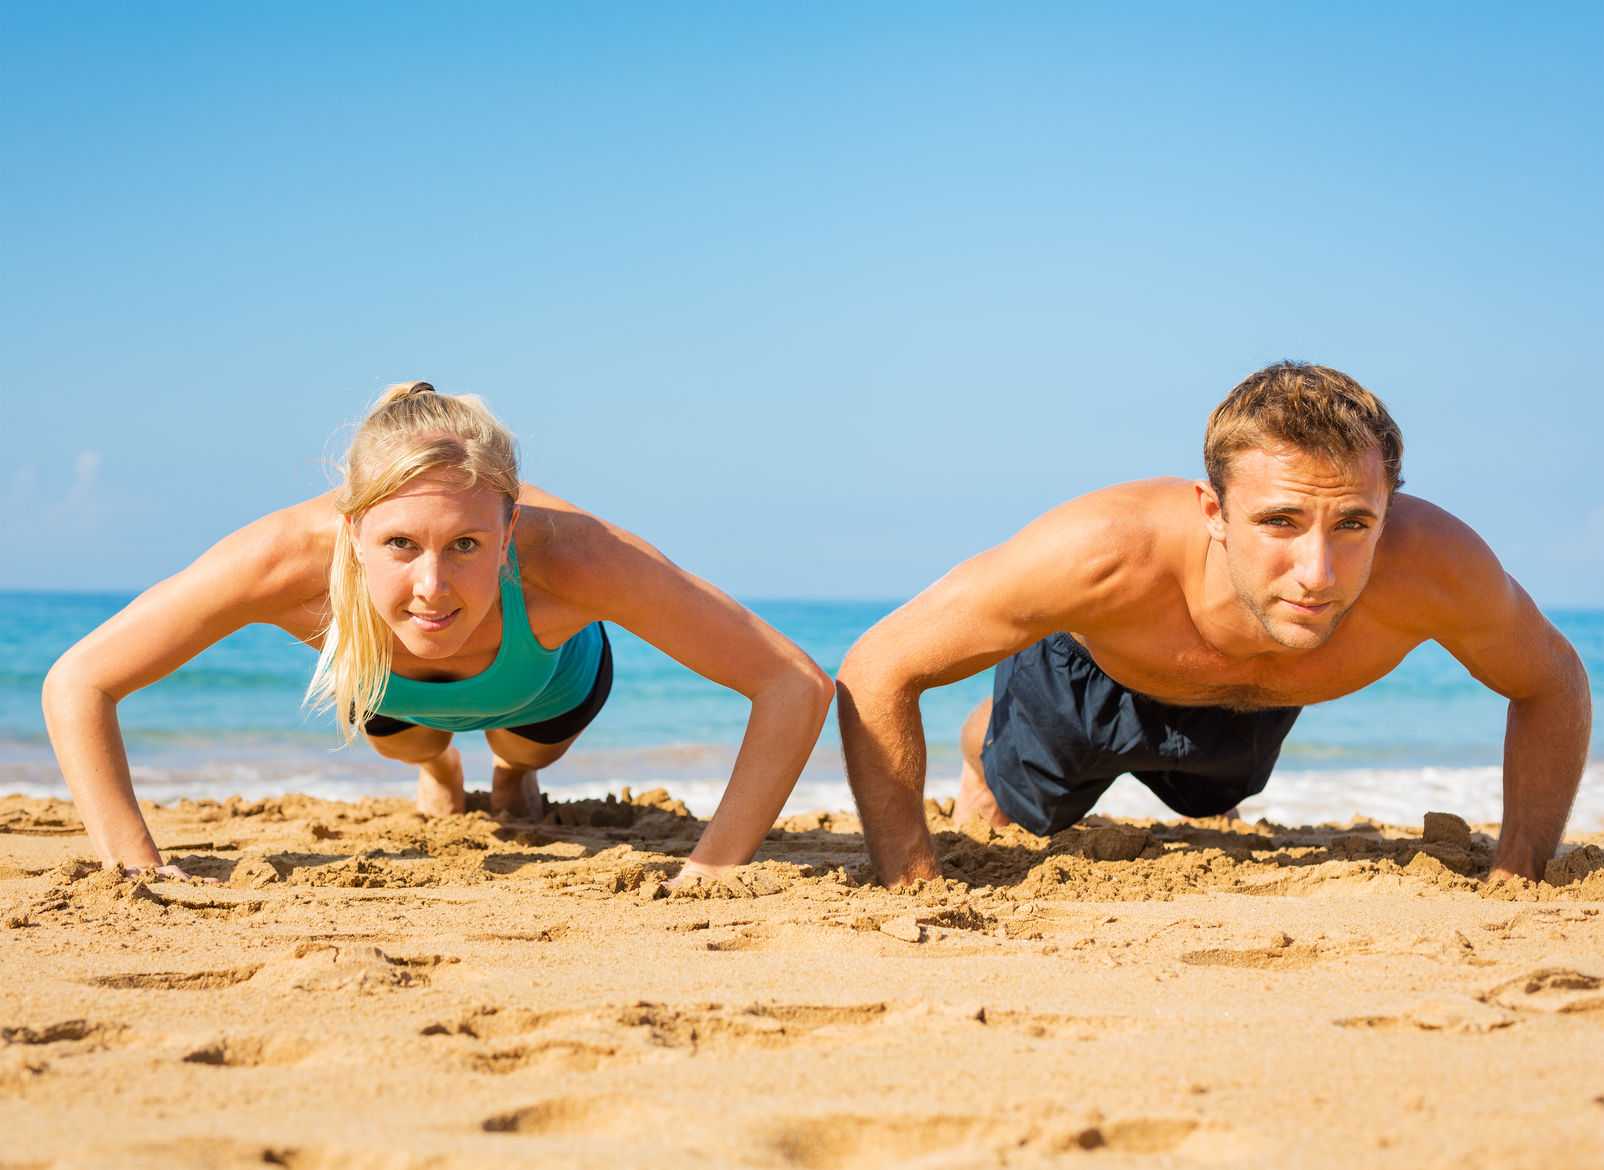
<point x="1187" y="672"/>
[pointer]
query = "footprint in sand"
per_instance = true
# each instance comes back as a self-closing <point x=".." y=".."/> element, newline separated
<point x="360" y="969"/>
<point x="1550" y="989"/>
<point x="561" y="1115"/>
<point x="26" y="1050"/>
<point x="175" y="980"/>
<point x="1281" y="955"/>
<point x="508" y="1040"/>
<point x="1458" y="1014"/>
<point x="64" y="1031"/>
<point x="253" y="1051"/>
<point x="840" y="1140"/>
<point x="504" y="1040"/>
<point x="836" y="1140"/>
<point x="759" y="1025"/>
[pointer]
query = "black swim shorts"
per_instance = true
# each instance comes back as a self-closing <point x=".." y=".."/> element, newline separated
<point x="547" y="731"/>
<point x="1062" y="731"/>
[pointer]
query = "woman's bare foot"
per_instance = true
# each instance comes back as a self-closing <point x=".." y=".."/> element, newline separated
<point x="974" y="798"/>
<point x="515" y="791"/>
<point x="440" y="791"/>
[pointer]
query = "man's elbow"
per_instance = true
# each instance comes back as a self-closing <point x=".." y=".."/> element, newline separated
<point x="1561" y="694"/>
<point x="1568" y="682"/>
<point x="856" y="672"/>
<point x="868" y="678"/>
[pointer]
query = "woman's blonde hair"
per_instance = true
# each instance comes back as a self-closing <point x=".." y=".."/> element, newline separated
<point x="410" y="432"/>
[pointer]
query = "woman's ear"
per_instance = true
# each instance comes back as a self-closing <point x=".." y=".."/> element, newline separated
<point x="512" y="527"/>
<point x="356" y="545"/>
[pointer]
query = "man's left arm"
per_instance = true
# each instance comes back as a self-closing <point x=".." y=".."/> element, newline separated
<point x="1492" y="626"/>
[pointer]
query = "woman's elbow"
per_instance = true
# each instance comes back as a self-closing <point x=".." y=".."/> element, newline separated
<point x="802" y="690"/>
<point x="57" y="685"/>
<point x="65" y="682"/>
<point x="821" y="691"/>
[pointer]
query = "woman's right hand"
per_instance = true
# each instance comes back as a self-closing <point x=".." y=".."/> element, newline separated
<point x="170" y="872"/>
<point x="275" y="571"/>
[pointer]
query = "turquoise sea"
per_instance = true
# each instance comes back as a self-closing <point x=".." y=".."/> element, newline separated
<point x="1427" y="737"/>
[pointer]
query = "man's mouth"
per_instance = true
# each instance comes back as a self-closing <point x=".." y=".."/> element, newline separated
<point x="1307" y="608"/>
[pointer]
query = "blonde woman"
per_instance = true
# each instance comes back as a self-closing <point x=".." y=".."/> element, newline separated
<point x="444" y="595"/>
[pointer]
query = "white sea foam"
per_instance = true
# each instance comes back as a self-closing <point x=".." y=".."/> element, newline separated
<point x="1397" y="796"/>
<point x="697" y="773"/>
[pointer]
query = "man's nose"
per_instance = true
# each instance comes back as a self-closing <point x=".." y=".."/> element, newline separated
<point x="1314" y="568"/>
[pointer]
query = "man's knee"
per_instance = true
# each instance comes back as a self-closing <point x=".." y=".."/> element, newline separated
<point x="973" y="735"/>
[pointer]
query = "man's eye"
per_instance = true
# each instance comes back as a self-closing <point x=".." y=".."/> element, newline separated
<point x="466" y="544"/>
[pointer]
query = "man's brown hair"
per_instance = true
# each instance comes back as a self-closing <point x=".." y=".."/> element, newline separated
<point x="1313" y="408"/>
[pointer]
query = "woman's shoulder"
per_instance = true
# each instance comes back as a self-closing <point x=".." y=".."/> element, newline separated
<point x="283" y="556"/>
<point x="561" y="547"/>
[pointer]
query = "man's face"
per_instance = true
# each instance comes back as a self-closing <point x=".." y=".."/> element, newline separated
<point x="1299" y="534"/>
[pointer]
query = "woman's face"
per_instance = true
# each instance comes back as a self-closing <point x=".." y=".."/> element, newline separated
<point x="432" y="553"/>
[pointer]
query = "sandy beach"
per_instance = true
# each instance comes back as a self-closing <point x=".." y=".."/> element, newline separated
<point x="366" y="988"/>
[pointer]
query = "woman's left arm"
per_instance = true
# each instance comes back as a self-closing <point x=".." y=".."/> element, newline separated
<point x="622" y="579"/>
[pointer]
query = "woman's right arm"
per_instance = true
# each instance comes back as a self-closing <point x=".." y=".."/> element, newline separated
<point x="260" y="573"/>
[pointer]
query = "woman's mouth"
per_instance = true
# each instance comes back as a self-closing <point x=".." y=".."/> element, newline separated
<point x="432" y="623"/>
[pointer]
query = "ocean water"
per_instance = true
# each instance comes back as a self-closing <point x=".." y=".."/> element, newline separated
<point x="1428" y="737"/>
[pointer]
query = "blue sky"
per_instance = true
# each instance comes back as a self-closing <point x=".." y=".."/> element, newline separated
<point x="820" y="298"/>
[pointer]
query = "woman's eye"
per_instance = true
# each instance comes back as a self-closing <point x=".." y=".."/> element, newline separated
<point x="398" y="542"/>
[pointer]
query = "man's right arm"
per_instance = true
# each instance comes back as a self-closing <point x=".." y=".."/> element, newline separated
<point x="987" y="608"/>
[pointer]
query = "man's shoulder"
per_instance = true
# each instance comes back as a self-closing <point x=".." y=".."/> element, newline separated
<point x="1123" y="526"/>
<point x="1430" y="565"/>
<point x="1113" y="548"/>
<point x="1141" y="507"/>
<point x="1422" y="536"/>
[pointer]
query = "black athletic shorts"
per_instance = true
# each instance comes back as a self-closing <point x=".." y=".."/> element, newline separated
<point x="1062" y="731"/>
<point x="548" y="731"/>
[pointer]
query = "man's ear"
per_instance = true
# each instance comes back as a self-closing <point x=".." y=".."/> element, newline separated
<point x="1212" y="508"/>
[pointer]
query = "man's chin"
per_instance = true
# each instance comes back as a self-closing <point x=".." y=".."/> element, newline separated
<point x="1297" y="636"/>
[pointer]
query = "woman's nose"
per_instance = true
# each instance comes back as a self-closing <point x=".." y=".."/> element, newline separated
<point x="426" y="577"/>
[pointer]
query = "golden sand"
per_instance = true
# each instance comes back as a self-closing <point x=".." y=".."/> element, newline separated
<point x="367" y="988"/>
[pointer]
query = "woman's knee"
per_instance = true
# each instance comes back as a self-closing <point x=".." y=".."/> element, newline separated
<point x="415" y="745"/>
<point x="518" y="752"/>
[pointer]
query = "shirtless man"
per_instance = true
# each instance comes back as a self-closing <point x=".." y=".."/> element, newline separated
<point x="1173" y="630"/>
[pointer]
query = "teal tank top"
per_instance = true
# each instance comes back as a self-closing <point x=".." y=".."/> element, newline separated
<point x="525" y="684"/>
